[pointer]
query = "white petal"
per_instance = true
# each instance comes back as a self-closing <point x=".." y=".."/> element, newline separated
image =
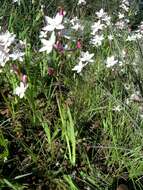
<point x="52" y="38"/>
<point x="44" y="42"/>
<point x="49" y="49"/>
<point x="43" y="49"/>
<point x="21" y="95"/>
<point x="49" y="20"/>
<point x="58" y="18"/>
<point x="49" y="28"/>
<point x="60" y="27"/>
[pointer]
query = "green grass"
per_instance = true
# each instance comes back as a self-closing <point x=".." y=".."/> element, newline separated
<point x="65" y="133"/>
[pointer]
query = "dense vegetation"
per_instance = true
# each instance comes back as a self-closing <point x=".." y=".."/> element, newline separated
<point x="71" y="97"/>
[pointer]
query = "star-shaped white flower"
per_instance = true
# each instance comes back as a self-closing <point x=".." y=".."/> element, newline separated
<point x="77" y="26"/>
<point x="97" y="40"/>
<point x="17" y="55"/>
<point x="107" y="20"/>
<point x="86" y="57"/>
<point x="48" y="44"/>
<point x="54" y="23"/>
<point x="97" y="26"/>
<point x="6" y="39"/>
<point x="120" y="15"/>
<point x="101" y="13"/>
<point x="110" y="37"/>
<point x="20" y="90"/>
<point x="78" y="68"/>
<point x="111" y="61"/>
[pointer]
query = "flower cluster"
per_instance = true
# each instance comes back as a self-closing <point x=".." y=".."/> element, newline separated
<point x="6" y="39"/>
<point x="52" y="25"/>
<point x="76" y="25"/>
<point x="122" y="22"/>
<point x="12" y="50"/>
<point x="60" y="34"/>
<point x="9" y="48"/>
<point x="85" y="58"/>
<point x="97" y="28"/>
<point x="125" y="5"/>
<point x="58" y="30"/>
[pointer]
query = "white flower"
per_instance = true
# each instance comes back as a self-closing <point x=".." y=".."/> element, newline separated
<point x="111" y="61"/>
<point x="54" y="23"/>
<point x="97" y="40"/>
<point x="81" y="2"/>
<point x="20" y="90"/>
<point x="17" y="1"/>
<point x="86" y="57"/>
<point x="140" y="28"/>
<point x="110" y="37"/>
<point x="120" y="15"/>
<point x="73" y="21"/>
<point x="43" y="34"/>
<point x="104" y="17"/>
<point x="136" y="97"/>
<point x="126" y="2"/>
<point x="124" y="7"/>
<point x="5" y="159"/>
<point x="124" y="53"/>
<point x="131" y="38"/>
<point x="117" y="108"/>
<point x="96" y="27"/>
<point x="78" y="68"/>
<point x="120" y="24"/>
<point x="139" y="36"/>
<point x="17" y="55"/>
<point x="6" y="39"/>
<point x="77" y="26"/>
<point x="48" y="44"/>
<point x="134" y="37"/>
<point x="22" y="44"/>
<point x="4" y="57"/>
<point x="107" y="20"/>
<point x="101" y="13"/>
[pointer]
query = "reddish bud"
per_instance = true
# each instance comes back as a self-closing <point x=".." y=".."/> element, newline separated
<point x="78" y="44"/>
<point x="51" y="71"/>
<point x="61" y="11"/>
<point x="59" y="46"/>
<point x="24" y="79"/>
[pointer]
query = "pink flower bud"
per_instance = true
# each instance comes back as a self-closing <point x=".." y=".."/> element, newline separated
<point x="59" y="46"/>
<point x="78" y="44"/>
<point x="51" y="71"/>
<point x="61" y="11"/>
<point x="24" y="79"/>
